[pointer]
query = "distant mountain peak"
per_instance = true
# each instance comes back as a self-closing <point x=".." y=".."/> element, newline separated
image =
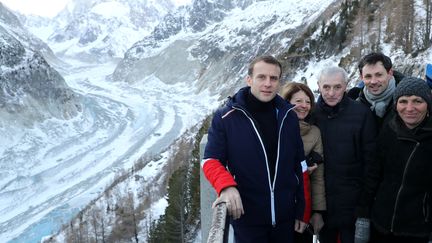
<point x="222" y="36"/>
<point x="101" y="28"/>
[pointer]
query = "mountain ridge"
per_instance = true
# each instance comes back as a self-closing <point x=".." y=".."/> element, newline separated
<point x="166" y="83"/>
<point x="30" y="85"/>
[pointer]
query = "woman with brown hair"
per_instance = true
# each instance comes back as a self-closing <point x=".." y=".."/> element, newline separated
<point x="302" y="97"/>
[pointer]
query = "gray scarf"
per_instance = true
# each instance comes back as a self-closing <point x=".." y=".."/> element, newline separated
<point x="380" y="102"/>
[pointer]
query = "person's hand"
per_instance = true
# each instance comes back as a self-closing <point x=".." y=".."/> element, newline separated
<point x="299" y="226"/>
<point x="313" y="158"/>
<point x="231" y="197"/>
<point x="362" y="230"/>
<point x="311" y="169"/>
<point x="317" y="222"/>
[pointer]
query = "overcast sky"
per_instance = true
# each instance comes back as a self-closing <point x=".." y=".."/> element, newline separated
<point x="48" y="8"/>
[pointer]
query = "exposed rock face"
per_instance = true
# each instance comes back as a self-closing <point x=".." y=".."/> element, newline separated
<point x="30" y="89"/>
<point x="104" y="29"/>
<point x="194" y="18"/>
<point x="222" y="36"/>
<point x="12" y="23"/>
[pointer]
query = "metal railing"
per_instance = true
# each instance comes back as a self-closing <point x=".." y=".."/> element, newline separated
<point x="214" y="221"/>
<point x="219" y="229"/>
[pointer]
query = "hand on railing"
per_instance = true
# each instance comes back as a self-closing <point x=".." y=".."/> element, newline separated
<point x="231" y="197"/>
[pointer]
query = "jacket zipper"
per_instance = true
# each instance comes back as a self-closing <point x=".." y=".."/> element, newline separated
<point x="271" y="185"/>
<point x="276" y="169"/>
<point x="426" y="207"/>
<point x="402" y="183"/>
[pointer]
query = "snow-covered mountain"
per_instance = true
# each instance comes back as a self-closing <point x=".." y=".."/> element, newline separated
<point x="210" y="41"/>
<point x="54" y="168"/>
<point x="187" y="53"/>
<point x="30" y="87"/>
<point x="207" y="45"/>
<point x="99" y="29"/>
<point x="176" y="74"/>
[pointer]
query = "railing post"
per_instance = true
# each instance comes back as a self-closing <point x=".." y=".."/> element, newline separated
<point x="215" y="226"/>
<point x="219" y="230"/>
<point x="208" y="196"/>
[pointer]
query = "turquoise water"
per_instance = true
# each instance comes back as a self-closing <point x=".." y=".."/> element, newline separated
<point x="49" y="224"/>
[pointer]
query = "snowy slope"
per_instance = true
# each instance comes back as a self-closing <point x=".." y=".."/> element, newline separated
<point x="176" y="76"/>
<point x="59" y="166"/>
<point x="216" y="51"/>
<point x="72" y="161"/>
<point x="98" y="29"/>
<point x="169" y="80"/>
<point x="30" y="87"/>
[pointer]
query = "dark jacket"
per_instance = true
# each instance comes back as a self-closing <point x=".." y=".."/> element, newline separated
<point x="235" y="143"/>
<point x="399" y="183"/>
<point x="380" y="121"/>
<point x="348" y="133"/>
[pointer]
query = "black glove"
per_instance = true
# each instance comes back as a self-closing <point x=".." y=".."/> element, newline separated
<point x="309" y="229"/>
<point x="313" y="158"/>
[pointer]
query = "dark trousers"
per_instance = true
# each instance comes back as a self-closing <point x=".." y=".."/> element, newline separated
<point x="305" y="237"/>
<point x="331" y="235"/>
<point x="378" y="237"/>
<point x="281" y="233"/>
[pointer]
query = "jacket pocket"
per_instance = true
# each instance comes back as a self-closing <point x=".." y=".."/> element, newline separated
<point x="427" y="205"/>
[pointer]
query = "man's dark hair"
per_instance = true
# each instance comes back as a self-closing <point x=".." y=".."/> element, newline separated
<point x="266" y="59"/>
<point x="373" y="58"/>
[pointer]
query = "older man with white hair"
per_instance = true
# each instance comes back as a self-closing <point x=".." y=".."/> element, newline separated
<point x="348" y="133"/>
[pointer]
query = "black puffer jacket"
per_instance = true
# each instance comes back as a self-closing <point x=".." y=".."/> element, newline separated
<point x="399" y="183"/>
<point x="348" y="133"/>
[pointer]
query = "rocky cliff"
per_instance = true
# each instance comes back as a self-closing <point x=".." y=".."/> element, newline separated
<point x="31" y="89"/>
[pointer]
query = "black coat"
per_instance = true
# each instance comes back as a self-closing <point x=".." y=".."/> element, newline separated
<point x="399" y="183"/>
<point x="380" y="121"/>
<point x="348" y="135"/>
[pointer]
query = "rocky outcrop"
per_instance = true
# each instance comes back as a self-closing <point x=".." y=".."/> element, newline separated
<point x="192" y="19"/>
<point x="222" y="37"/>
<point x="105" y="29"/>
<point x="30" y="89"/>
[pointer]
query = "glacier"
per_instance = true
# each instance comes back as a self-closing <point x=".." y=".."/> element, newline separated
<point x="52" y="170"/>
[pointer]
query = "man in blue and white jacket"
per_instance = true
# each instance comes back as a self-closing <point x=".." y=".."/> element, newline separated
<point x="253" y="158"/>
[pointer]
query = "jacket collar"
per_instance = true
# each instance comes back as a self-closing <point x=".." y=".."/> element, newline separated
<point x="304" y="128"/>
<point x="424" y="130"/>
<point x="333" y="111"/>
<point x="240" y="98"/>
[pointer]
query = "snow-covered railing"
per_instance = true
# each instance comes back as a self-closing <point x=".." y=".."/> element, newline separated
<point x="214" y="222"/>
<point x="219" y="229"/>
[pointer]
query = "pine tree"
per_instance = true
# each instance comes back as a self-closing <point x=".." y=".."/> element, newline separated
<point x="176" y="210"/>
<point x="157" y="232"/>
